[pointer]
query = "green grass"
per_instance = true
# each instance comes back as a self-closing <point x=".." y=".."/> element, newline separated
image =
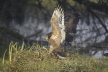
<point x="36" y="59"/>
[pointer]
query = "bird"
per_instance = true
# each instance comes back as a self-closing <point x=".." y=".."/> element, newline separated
<point x="71" y="22"/>
<point x="63" y="25"/>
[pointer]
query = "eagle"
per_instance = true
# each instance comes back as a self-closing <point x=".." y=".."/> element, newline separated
<point x="63" y="27"/>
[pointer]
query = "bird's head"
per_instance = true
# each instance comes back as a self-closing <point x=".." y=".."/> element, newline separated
<point x="48" y="35"/>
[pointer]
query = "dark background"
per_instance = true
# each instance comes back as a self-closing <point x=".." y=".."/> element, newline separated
<point x="29" y="21"/>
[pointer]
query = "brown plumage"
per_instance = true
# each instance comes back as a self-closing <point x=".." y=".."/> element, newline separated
<point x="61" y="31"/>
<point x="57" y="37"/>
<point x="71" y="21"/>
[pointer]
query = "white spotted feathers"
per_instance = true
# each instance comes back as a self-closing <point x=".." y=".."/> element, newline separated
<point x="59" y="12"/>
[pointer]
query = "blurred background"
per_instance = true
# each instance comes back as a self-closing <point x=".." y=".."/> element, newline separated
<point x="29" y="21"/>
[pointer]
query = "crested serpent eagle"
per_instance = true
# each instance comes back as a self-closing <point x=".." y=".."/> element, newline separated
<point x="63" y="27"/>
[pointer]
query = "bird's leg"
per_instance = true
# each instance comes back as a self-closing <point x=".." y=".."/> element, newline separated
<point x="51" y="50"/>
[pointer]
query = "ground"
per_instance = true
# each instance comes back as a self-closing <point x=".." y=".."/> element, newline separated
<point x="37" y="59"/>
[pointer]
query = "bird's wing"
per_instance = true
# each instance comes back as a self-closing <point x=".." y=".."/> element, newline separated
<point x="71" y="21"/>
<point x="57" y="22"/>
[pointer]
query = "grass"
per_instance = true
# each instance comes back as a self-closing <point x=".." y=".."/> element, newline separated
<point x="36" y="59"/>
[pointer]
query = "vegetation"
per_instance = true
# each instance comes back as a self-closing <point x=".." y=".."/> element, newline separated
<point x="36" y="59"/>
<point x="94" y="13"/>
<point x="25" y="58"/>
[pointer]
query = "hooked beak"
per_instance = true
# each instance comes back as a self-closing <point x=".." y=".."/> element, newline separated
<point x="46" y="37"/>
